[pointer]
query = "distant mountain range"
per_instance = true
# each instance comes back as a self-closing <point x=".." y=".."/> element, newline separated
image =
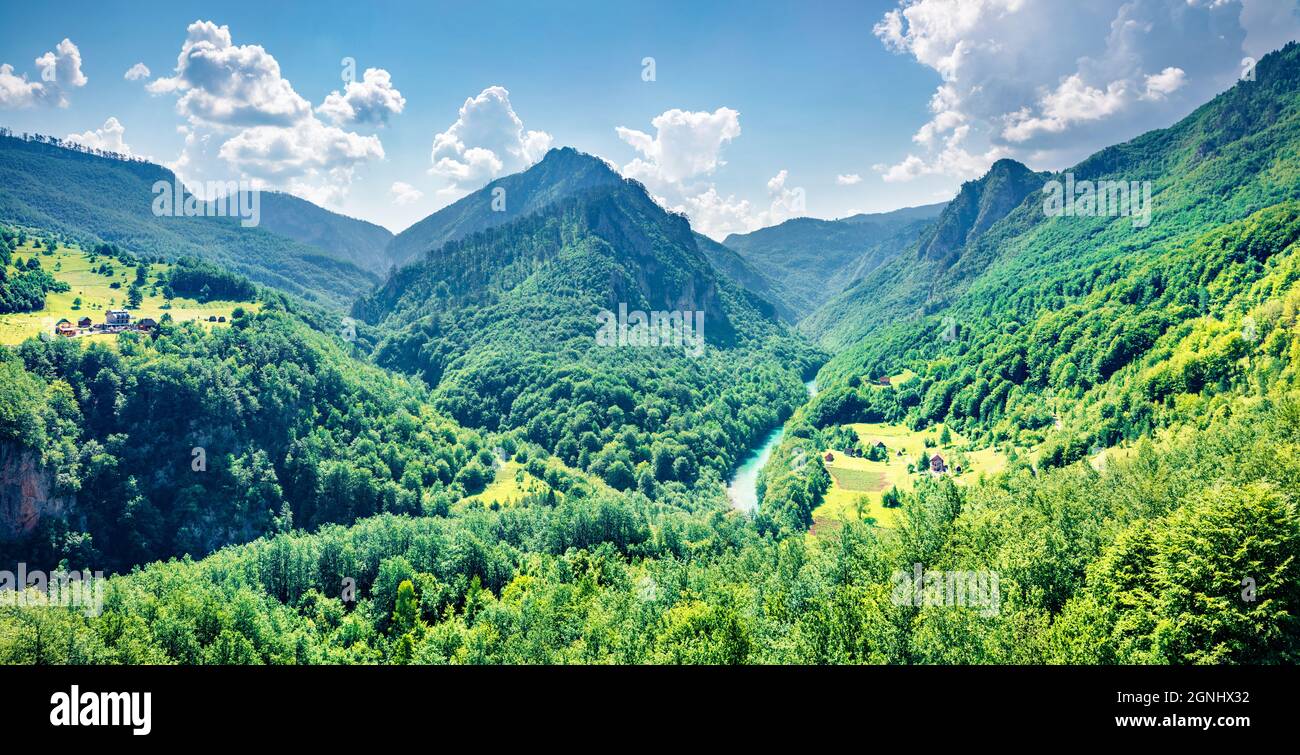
<point x="101" y="199"/>
<point x="815" y="259"/>
<point x="360" y="242"/>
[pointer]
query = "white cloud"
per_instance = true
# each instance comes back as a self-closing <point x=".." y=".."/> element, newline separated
<point x="369" y="101"/>
<point x="786" y="201"/>
<point x="1072" y="102"/>
<point x="404" y="193"/>
<point x="16" y="91"/>
<point x="243" y="115"/>
<point x="62" y="66"/>
<point x="714" y="215"/>
<point x="109" y="138"/>
<point x="58" y="70"/>
<point x="220" y="83"/>
<point x="137" y="72"/>
<point x="1021" y="88"/>
<point x="717" y="216"/>
<point x="272" y="152"/>
<point x="848" y="180"/>
<point x="685" y="145"/>
<point x="676" y="161"/>
<point x="487" y="140"/>
<point x="1165" y="83"/>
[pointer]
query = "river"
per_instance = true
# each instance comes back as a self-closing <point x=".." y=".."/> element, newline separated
<point x="742" y="489"/>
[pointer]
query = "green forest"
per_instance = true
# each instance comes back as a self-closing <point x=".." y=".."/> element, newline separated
<point x="447" y="467"/>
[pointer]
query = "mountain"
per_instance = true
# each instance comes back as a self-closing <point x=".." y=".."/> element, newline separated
<point x="507" y="325"/>
<point x="729" y="263"/>
<point x="907" y="280"/>
<point x="977" y="206"/>
<point x="101" y="199"/>
<point x="560" y="173"/>
<point x="1093" y="329"/>
<point x="815" y="258"/>
<point x="360" y="242"/>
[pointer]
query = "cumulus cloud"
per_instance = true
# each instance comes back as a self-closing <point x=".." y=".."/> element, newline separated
<point x="487" y="140"/>
<point x="685" y="145"/>
<point x="137" y="72"/>
<point x="676" y="162"/>
<point x="1165" y="83"/>
<point x="242" y="114"/>
<point x="1011" y="84"/>
<point x="404" y="193"/>
<point x="223" y="84"/>
<point x="1071" y="102"/>
<point x="274" y="152"/>
<point x="58" y="71"/>
<point x="369" y="101"/>
<point x="109" y="137"/>
<point x="848" y="179"/>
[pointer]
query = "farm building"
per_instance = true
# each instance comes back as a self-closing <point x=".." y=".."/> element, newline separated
<point x="938" y="465"/>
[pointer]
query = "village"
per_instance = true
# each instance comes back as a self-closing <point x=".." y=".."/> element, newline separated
<point x="115" y="321"/>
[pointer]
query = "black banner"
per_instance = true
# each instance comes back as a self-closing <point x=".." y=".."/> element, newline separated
<point x="332" y="704"/>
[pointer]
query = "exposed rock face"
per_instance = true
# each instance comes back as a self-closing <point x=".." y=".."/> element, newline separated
<point x="26" y="492"/>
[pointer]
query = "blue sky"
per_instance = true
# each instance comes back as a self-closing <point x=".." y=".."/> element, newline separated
<point x="765" y="110"/>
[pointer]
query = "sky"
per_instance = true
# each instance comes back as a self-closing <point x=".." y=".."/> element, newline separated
<point x="740" y="114"/>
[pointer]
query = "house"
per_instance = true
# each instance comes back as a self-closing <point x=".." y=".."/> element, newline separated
<point x="221" y="318"/>
<point x="84" y="323"/>
<point x="65" y="328"/>
<point x="117" y="317"/>
<point x="883" y="381"/>
<point x="147" y="324"/>
<point x="830" y="456"/>
<point x="937" y="464"/>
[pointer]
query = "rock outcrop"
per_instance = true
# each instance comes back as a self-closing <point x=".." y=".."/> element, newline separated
<point x="26" y="492"/>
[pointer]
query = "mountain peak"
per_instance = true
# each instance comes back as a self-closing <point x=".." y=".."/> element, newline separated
<point x="978" y="205"/>
<point x="562" y="172"/>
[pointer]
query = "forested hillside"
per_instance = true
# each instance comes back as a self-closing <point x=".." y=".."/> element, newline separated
<point x="504" y="325"/>
<point x="1142" y="562"/>
<point x="191" y="439"/>
<point x="96" y="199"/>
<point x="917" y="280"/>
<point x="1040" y="313"/>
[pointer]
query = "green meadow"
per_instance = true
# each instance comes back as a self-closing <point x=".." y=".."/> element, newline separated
<point x="97" y="295"/>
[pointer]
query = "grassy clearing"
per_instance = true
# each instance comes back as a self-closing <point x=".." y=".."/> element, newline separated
<point x="857" y="484"/>
<point x="97" y="295"/>
<point x="511" y="485"/>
